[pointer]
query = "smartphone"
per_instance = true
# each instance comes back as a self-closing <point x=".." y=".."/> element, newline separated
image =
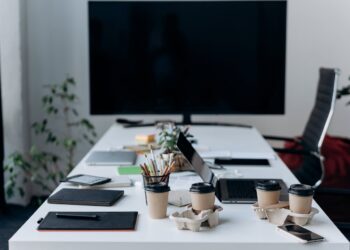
<point x="300" y="233"/>
<point x="87" y="180"/>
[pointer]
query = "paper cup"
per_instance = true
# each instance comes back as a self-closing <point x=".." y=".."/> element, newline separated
<point x="267" y="198"/>
<point x="300" y="198"/>
<point x="157" y="200"/>
<point x="202" y="196"/>
<point x="268" y="192"/>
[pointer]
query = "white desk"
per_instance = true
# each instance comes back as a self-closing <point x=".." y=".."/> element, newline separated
<point x="238" y="229"/>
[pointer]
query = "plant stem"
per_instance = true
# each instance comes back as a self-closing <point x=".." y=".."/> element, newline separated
<point x="68" y="134"/>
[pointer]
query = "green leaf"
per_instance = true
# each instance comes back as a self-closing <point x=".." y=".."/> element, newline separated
<point x="53" y="90"/>
<point x="51" y="138"/>
<point x="69" y="143"/>
<point x="54" y="158"/>
<point x="71" y="97"/>
<point x="64" y="87"/>
<point x="61" y="175"/>
<point x="9" y="192"/>
<point x="51" y="110"/>
<point x="37" y="128"/>
<point x="33" y="150"/>
<point x="70" y="80"/>
<point x="75" y="112"/>
<point x="45" y="99"/>
<point x="21" y="191"/>
<point x="86" y="123"/>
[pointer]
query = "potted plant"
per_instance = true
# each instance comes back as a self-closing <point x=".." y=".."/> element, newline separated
<point x="47" y="165"/>
<point x="167" y="138"/>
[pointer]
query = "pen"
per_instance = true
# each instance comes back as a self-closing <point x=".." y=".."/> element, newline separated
<point x="77" y="216"/>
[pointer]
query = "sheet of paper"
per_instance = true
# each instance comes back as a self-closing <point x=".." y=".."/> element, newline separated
<point x="240" y="155"/>
<point x="253" y="155"/>
<point x="216" y="154"/>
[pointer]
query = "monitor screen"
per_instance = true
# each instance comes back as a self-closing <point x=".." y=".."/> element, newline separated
<point x="198" y="57"/>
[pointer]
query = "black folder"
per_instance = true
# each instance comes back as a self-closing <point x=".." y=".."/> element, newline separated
<point x="91" y="197"/>
<point x="66" y="221"/>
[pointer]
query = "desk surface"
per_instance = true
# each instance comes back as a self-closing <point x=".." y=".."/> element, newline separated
<point x="239" y="227"/>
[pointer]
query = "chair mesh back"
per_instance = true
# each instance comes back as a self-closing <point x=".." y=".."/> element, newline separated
<point x="322" y="111"/>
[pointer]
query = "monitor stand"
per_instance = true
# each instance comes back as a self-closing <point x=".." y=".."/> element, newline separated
<point x="185" y="121"/>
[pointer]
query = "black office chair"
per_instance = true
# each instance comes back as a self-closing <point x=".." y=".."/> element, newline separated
<point x="312" y="169"/>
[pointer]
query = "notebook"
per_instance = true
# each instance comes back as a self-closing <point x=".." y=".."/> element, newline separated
<point x="90" y="197"/>
<point x="99" y="221"/>
<point x="111" y="158"/>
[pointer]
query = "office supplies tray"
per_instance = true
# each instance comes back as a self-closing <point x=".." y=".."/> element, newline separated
<point x="190" y="220"/>
<point x="279" y="215"/>
<point x="261" y="212"/>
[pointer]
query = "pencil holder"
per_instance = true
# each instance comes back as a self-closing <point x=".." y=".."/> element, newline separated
<point x="149" y="180"/>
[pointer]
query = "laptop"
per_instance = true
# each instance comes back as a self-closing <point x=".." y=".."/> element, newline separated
<point x="227" y="190"/>
<point x="111" y="158"/>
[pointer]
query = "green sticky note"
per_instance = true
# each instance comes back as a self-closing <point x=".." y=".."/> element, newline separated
<point x="129" y="170"/>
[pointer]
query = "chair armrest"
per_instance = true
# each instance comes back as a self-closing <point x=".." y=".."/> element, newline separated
<point x="279" y="138"/>
<point x="333" y="191"/>
<point x="293" y="151"/>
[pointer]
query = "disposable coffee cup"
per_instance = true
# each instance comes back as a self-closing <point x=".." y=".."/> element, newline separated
<point x="202" y="196"/>
<point x="157" y="200"/>
<point x="300" y="198"/>
<point x="268" y="192"/>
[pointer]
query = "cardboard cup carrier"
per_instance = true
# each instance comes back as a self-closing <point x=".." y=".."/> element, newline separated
<point x="268" y="192"/>
<point x="157" y="200"/>
<point x="202" y="196"/>
<point x="300" y="198"/>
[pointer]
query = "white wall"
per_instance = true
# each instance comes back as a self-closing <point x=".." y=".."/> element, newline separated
<point x="13" y="73"/>
<point x="14" y="94"/>
<point x="318" y="35"/>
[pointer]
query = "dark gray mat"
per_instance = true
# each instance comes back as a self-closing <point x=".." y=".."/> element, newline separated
<point x="11" y="220"/>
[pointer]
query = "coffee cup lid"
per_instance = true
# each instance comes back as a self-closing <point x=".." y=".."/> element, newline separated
<point x="301" y="190"/>
<point x="202" y="187"/>
<point x="268" y="185"/>
<point x="161" y="187"/>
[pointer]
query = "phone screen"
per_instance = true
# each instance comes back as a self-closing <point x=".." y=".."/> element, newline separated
<point x="301" y="232"/>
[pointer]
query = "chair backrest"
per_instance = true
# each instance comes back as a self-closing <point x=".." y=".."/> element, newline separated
<point x="322" y="111"/>
<point x="312" y="170"/>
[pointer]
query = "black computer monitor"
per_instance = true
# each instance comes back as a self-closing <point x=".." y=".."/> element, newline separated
<point x="187" y="57"/>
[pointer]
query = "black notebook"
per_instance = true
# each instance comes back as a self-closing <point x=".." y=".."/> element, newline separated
<point x="91" y="197"/>
<point x="89" y="221"/>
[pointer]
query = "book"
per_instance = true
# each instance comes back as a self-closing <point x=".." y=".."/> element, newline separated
<point x="90" y="197"/>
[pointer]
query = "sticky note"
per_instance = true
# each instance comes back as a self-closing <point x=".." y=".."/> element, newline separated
<point x="129" y="170"/>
